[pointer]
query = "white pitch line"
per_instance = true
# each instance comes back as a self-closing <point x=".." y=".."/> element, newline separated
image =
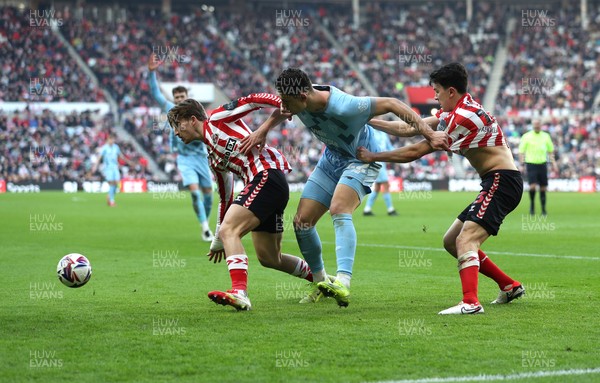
<point x="491" y="378"/>
<point x="487" y="252"/>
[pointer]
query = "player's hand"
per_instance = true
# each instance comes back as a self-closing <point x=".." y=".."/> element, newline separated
<point x="216" y="256"/>
<point x="364" y="154"/>
<point x="258" y="138"/>
<point x="285" y="112"/>
<point x="153" y="62"/>
<point x="217" y="250"/>
<point x="439" y="140"/>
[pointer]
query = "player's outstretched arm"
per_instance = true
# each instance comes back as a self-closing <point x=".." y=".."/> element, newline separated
<point x="395" y="128"/>
<point x="225" y="189"/>
<point x="405" y="154"/>
<point x="400" y="128"/>
<point x="153" y="64"/>
<point x="383" y="105"/>
<point x="127" y="161"/>
<point x="259" y="136"/>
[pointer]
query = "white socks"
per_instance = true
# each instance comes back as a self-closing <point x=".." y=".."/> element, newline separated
<point x="344" y="278"/>
<point x="205" y="226"/>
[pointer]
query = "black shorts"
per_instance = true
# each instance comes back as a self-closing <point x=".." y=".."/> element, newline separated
<point x="501" y="192"/>
<point x="266" y="196"/>
<point x="537" y="174"/>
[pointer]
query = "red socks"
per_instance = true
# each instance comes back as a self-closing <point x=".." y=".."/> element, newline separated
<point x="238" y="271"/>
<point x="490" y="270"/>
<point x="468" y="268"/>
<point x="302" y="270"/>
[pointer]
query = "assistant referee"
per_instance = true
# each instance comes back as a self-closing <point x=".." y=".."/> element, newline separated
<point x="534" y="149"/>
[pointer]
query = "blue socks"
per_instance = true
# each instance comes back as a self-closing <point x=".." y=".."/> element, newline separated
<point x="387" y="197"/>
<point x="310" y="247"/>
<point x="370" y="200"/>
<point x="112" y="190"/>
<point x="198" y="206"/>
<point x="208" y="200"/>
<point x="345" y="242"/>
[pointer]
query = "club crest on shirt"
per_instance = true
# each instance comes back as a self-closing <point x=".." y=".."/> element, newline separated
<point x="231" y="105"/>
<point x="363" y="105"/>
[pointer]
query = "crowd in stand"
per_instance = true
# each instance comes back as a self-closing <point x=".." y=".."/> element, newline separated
<point x="42" y="146"/>
<point x="400" y="45"/>
<point x="553" y="63"/>
<point x="576" y="140"/>
<point x="35" y="64"/>
<point x="241" y="52"/>
<point x="117" y="52"/>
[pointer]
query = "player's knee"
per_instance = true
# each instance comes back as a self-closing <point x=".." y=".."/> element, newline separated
<point x="339" y="208"/>
<point x="461" y="240"/>
<point x="466" y="240"/>
<point x="227" y="231"/>
<point x="302" y="222"/>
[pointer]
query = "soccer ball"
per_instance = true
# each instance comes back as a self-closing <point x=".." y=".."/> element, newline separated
<point x="74" y="270"/>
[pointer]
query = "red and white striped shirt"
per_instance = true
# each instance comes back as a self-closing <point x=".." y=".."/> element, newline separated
<point x="470" y="126"/>
<point x="223" y="132"/>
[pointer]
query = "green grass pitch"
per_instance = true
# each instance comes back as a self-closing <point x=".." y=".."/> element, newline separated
<point x="145" y="317"/>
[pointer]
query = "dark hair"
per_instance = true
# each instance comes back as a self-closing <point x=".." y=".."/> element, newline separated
<point x="179" y="89"/>
<point x="292" y="82"/>
<point x="185" y="110"/>
<point x="451" y="75"/>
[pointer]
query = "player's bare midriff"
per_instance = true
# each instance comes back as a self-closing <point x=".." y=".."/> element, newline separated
<point x="490" y="158"/>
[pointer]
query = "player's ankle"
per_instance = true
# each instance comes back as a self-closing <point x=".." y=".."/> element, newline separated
<point x="344" y="278"/>
<point x="319" y="276"/>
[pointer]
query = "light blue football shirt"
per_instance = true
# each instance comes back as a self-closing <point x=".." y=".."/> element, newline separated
<point x="342" y="126"/>
<point x="110" y="155"/>
<point x="383" y="142"/>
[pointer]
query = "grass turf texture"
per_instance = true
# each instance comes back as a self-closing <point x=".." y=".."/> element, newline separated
<point x="145" y="316"/>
